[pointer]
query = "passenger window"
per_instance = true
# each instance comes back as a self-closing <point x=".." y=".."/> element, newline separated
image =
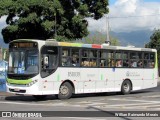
<point x="65" y="57"/>
<point x="118" y="57"/>
<point x="125" y="57"/>
<point x="75" y="57"/>
<point x="89" y="58"/>
<point x="149" y="60"/>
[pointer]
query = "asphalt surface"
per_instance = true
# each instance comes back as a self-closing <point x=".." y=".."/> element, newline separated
<point x="143" y="100"/>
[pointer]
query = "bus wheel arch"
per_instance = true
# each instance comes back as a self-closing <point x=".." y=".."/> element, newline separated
<point x="66" y="90"/>
<point x="126" y="86"/>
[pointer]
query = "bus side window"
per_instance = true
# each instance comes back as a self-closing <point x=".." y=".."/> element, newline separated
<point x="102" y="63"/>
<point x="125" y="63"/>
<point x="85" y="62"/>
<point x="85" y="59"/>
<point x="65" y="57"/>
<point x="64" y="61"/>
<point x="133" y="64"/>
<point x="119" y="63"/>
<point x="149" y="60"/>
<point x="93" y="63"/>
<point x="151" y="64"/>
<point x="75" y="60"/>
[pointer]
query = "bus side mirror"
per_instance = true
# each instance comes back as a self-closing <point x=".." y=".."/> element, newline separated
<point x="45" y="62"/>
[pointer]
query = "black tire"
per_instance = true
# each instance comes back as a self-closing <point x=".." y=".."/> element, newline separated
<point x="39" y="97"/>
<point x="65" y="91"/>
<point x="126" y="87"/>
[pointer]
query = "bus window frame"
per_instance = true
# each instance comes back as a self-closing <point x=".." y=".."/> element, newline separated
<point x="41" y="59"/>
<point x="98" y="58"/>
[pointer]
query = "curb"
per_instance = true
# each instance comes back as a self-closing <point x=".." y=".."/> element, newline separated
<point x="6" y="94"/>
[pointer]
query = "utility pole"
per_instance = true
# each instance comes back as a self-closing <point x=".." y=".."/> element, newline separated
<point x="107" y="30"/>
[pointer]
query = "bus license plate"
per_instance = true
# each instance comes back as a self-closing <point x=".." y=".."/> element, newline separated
<point x="16" y="89"/>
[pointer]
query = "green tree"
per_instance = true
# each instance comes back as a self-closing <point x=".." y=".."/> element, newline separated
<point x="155" y="42"/>
<point x="114" y="41"/>
<point x="100" y="38"/>
<point x="44" y="19"/>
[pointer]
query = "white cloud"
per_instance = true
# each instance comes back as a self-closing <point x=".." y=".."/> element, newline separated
<point x="2" y="21"/>
<point x="129" y="15"/>
<point x="2" y="24"/>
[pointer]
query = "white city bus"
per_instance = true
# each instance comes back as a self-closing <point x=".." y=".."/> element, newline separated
<point x="42" y="68"/>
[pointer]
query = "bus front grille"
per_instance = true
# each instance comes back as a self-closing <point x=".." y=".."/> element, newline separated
<point x="17" y="91"/>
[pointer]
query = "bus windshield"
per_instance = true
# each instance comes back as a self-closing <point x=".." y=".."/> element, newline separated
<point x="23" y="62"/>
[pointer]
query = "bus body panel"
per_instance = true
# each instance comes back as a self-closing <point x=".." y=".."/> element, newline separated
<point x="100" y="82"/>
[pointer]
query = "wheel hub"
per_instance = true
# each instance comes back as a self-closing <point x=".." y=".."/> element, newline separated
<point x="126" y="87"/>
<point x="64" y="90"/>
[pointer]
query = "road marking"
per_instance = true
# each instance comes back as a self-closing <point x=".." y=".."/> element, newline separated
<point x="20" y="103"/>
<point x="96" y="100"/>
<point x="93" y="104"/>
<point x="137" y="100"/>
<point x="136" y="104"/>
<point x="100" y="103"/>
<point x="152" y="96"/>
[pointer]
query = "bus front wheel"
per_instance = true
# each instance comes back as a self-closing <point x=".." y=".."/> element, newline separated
<point x="65" y="91"/>
<point x="126" y="87"/>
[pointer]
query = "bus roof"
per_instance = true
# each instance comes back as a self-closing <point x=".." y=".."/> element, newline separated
<point x="53" y="42"/>
<point x="98" y="46"/>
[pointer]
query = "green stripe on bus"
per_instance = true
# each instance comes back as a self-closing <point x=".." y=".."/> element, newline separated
<point x="153" y="76"/>
<point x="20" y="82"/>
<point x="101" y="76"/>
<point x="156" y="66"/>
<point x="58" y="77"/>
<point x="76" y="44"/>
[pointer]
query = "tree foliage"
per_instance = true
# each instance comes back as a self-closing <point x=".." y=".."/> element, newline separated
<point x="100" y="38"/>
<point x="155" y="41"/>
<point x="44" y="19"/>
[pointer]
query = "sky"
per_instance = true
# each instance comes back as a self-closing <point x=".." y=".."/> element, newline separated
<point x="129" y="15"/>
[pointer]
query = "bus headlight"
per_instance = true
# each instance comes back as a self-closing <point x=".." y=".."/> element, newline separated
<point x="31" y="83"/>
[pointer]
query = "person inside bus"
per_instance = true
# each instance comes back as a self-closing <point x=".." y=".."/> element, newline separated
<point x="85" y="60"/>
<point x="119" y="63"/>
<point x="140" y="63"/>
<point x="111" y="63"/>
<point x="92" y="63"/>
<point x="102" y="63"/>
<point x="151" y="64"/>
<point x="65" y="61"/>
<point x="133" y="64"/>
<point x="75" y="61"/>
<point x="125" y="63"/>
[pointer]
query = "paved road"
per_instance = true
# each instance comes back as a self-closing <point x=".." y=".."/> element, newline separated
<point x="145" y="100"/>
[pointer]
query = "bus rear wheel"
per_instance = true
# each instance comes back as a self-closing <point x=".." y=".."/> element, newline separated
<point x="65" y="91"/>
<point x="126" y="87"/>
